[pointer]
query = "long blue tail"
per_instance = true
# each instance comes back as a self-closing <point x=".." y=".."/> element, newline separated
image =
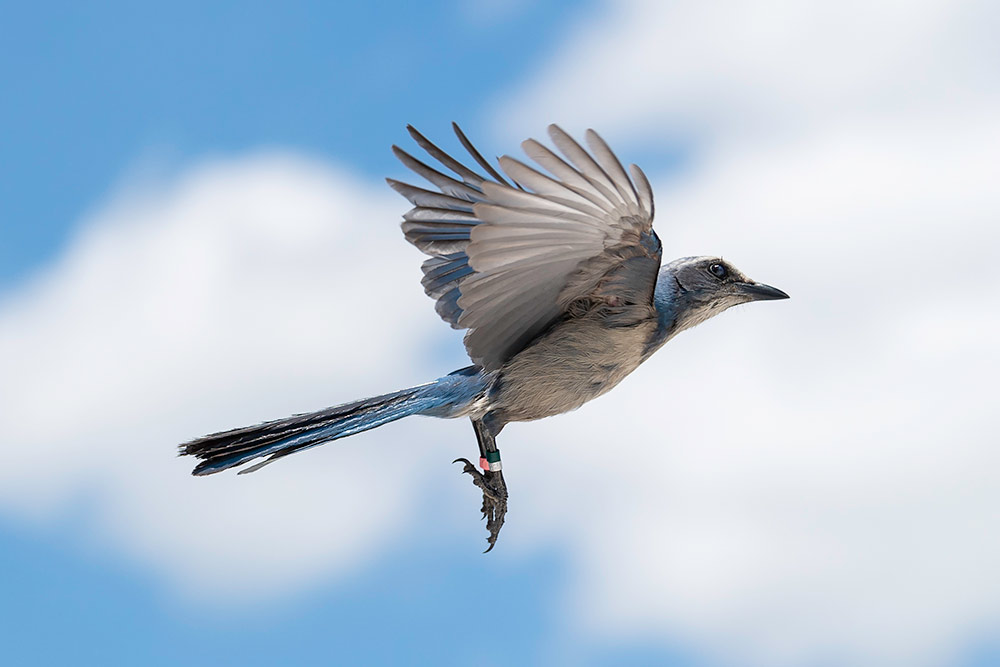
<point x="275" y="439"/>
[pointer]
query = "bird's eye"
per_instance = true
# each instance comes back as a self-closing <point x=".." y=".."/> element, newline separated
<point x="718" y="270"/>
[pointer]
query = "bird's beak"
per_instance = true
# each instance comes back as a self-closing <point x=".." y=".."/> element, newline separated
<point x="761" y="292"/>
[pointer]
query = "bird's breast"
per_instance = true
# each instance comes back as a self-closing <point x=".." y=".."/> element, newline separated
<point x="576" y="361"/>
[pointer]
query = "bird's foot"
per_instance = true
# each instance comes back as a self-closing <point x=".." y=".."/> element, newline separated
<point x="494" y="498"/>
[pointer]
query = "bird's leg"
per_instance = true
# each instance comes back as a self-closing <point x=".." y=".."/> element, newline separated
<point x="490" y="481"/>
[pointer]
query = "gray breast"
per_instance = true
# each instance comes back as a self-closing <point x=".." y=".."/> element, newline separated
<point x="576" y="361"/>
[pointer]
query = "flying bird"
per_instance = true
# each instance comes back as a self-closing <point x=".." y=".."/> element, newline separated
<point x="556" y="278"/>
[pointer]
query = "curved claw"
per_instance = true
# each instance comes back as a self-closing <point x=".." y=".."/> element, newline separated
<point x="494" y="491"/>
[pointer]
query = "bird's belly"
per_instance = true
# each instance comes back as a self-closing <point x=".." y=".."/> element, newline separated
<point x="572" y="364"/>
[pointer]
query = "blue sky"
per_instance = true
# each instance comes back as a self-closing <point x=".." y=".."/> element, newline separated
<point x="93" y="90"/>
<point x="168" y="171"/>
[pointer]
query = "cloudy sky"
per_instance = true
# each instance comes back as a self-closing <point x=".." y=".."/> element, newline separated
<point x="194" y="235"/>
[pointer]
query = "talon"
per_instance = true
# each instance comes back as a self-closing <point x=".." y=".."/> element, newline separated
<point x="469" y="468"/>
<point x="494" y="491"/>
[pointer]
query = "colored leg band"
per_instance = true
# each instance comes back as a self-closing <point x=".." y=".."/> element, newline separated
<point x="491" y="462"/>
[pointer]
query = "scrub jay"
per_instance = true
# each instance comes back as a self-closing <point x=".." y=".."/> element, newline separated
<point x="556" y="279"/>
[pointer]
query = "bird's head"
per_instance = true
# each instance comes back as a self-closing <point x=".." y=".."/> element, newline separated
<point x="706" y="286"/>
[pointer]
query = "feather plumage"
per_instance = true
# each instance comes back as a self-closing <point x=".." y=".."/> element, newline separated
<point x="507" y="261"/>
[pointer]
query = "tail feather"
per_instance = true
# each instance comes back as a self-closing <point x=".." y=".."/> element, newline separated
<point x="278" y="438"/>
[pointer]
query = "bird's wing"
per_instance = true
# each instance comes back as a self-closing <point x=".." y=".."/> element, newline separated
<point x="508" y="260"/>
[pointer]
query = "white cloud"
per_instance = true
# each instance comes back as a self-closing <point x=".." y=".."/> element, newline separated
<point x="721" y="70"/>
<point x="247" y="289"/>
<point x="810" y="480"/>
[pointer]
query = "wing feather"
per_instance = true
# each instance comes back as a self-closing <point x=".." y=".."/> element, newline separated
<point x="467" y="174"/>
<point x="585" y="164"/>
<point x="644" y="190"/>
<point x="445" y="183"/>
<point x="429" y="198"/>
<point x="566" y="174"/>
<point x="503" y="215"/>
<point x="548" y="187"/>
<point x="612" y="167"/>
<point x="507" y="197"/>
<point x="506" y="261"/>
<point x="476" y="155"/>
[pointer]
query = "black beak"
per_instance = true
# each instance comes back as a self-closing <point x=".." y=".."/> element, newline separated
<point x="762" y="292"/>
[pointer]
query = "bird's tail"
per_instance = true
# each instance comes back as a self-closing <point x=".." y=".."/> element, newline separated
<point x="281" y="437"/>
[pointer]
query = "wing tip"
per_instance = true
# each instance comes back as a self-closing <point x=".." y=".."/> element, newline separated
<point x="418" y="136"/>
<point x="398" y="186"/>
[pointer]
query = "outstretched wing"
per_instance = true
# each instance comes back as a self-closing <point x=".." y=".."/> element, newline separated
<point x="508" y="260"/>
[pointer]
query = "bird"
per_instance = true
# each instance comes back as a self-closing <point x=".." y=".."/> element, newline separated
<point x="555" y="274"/>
